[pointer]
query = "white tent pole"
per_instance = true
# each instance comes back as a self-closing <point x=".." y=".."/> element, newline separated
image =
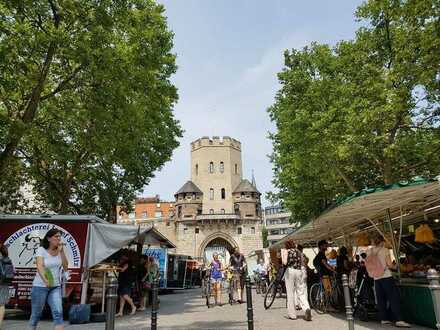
<point x="393" y="241"/>
<point x="85" y="268"/>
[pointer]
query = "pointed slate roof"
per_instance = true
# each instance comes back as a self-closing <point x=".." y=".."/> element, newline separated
<point x="189" y="187"/>
<point x="246" y="186"/>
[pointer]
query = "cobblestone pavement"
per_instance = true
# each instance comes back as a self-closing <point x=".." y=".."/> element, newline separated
<point x="186" y="310"/>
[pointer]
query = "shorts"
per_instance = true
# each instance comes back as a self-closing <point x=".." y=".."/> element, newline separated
<point x="216" y="280"/>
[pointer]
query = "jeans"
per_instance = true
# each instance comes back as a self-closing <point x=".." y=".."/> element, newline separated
<point x="387" y="291"/>
<point x="39" y="296"/>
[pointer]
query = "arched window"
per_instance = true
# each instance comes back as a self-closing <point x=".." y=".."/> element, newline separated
<point x="197" y="169"/>
<point x="236" y="169"/>
<point x="211" y="211"/>
<point x="223" y="193"/>
<point x="211" y="194"/>
<point x="222" y="167"/>
<point x="222" y="211"/>
<point x="211" y="167"/>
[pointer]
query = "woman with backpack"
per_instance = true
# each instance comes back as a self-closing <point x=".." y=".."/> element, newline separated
<point x="4" y="286"/>
<point x="46" y="287"/>
<point x="379" y="266"/>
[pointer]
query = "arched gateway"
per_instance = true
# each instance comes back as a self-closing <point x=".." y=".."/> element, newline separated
<point x="218" y="242"/>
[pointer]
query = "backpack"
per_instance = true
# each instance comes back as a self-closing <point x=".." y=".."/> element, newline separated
<point x="375" y="268"/>
<point x="6" y="270"/>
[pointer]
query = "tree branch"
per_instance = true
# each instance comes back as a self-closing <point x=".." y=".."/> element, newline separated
<point x="62" y="85"/>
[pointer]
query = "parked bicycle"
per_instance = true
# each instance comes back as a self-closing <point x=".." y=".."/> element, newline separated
<point x="323" y="299"/>
<point x="275" y="287"/>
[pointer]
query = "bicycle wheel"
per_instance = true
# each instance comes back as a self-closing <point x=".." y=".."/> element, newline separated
<point x="337" y="298"/>
<point x="270" y="295"/>
<point x="318" y="299"/>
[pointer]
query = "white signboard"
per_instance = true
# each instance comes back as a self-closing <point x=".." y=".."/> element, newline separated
<point x="23" y="244"/>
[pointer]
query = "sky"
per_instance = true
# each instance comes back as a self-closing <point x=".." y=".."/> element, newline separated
<point x="228" y="55"/>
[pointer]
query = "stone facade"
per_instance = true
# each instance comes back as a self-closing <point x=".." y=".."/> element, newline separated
<point x="217" y="207"/>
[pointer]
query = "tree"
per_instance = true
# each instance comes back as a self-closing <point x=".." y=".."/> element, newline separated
<point x="362" y="113"/>
<point x="264" y="234"/>
<point x="85" y="100"/>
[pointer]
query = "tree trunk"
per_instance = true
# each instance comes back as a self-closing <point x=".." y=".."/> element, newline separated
<point x="111" y="215"/>
<point x="350" y="184"/>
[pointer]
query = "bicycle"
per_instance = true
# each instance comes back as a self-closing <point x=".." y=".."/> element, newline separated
<point x="321" y="299"/>
<point x="275" y="287"/>
<point x="261" y="284"/>
<point x="234" y="277"/>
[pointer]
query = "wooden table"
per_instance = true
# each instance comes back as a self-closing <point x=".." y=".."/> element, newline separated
<point x="104" y="270"/>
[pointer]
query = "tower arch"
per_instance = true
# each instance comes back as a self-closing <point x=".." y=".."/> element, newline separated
<point x="217" y="241"/>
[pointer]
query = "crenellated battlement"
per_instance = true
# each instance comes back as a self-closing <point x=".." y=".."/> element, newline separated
<point x="215" y="141"/>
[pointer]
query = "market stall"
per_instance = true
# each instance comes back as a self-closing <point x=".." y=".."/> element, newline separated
<point x="397" y="212"/>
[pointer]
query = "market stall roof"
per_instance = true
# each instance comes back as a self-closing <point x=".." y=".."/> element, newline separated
<point x="52" y="217"/>
<point x="106" y="239"/>
<point x="359" y="213"/>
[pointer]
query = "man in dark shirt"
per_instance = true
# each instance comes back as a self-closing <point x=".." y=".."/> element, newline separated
<point x="320" y="262"/>
<point x="238" y="264"/>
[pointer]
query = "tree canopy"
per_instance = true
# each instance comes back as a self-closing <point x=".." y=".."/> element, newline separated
<point x="362" y="113"/>
<point x="85" y="100"/>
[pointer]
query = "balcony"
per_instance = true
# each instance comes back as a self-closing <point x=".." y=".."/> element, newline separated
<point x="223" y="216"/>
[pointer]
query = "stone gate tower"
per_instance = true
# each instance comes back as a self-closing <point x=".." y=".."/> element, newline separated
<point x="217" y="209"/>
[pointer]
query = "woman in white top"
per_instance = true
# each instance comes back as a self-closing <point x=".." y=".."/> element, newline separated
<point x="46" y="287"/>
<point x="385" y="285"/>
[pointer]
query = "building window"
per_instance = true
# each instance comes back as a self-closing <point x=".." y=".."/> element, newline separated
<point x="223" y="193"/>
<point x="236" y="169"/>
<point x="197" y="169"/>
<point x="144" y="215"/>
<point x="196" y="230"/>
<point x="132" y="215"/>
<point x="179" y="211"/>
<point x="158" y="214"/>
<point x="222" y="211"/>
<point x="211" y="194"/>
<point x="222" y="167"/>
<point x="239" y="230"/>
<point x="211" y="167"/>
<point x="253" y="230"/>
<point x="211" y="211"/>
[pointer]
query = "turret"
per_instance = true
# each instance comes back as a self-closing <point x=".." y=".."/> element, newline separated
<point x="247" y="202"/>
<point x="188" y="202"/>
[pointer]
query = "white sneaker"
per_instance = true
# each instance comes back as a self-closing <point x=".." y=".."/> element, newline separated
<point x="402" y="324"/>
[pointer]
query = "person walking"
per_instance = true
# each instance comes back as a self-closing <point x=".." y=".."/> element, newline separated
<point x="46" y="286"/>
<point x="145" y="286"/>
<point x="216" y="278"/>
<point x="296" y="288"/>
<point x="125" y="281"/>
<point x="7" y="271"/>
<point x="379" y="264"/>
<point x="238" y="265"/>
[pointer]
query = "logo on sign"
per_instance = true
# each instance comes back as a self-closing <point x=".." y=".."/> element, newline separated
<point x="23" y="244"/>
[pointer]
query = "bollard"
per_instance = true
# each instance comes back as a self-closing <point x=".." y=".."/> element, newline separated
<point x="434" y="286"/>
<point x="111" y="297"/>
<point x="347" y="298"/>
<point x="250" y="311"/>
<point x="155" y="288"/>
